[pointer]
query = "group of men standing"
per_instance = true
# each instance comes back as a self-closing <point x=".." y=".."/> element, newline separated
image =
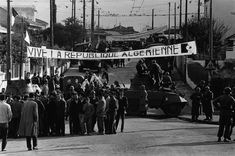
<point x="202" y="100"/>
<point x="225" y="103"/>
<point x="44" y="114"/>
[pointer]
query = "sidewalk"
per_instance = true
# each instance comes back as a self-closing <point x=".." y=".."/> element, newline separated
<point x="201" y="118"/>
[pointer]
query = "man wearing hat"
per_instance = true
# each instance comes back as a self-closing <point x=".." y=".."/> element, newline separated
<point x="225" y="103"/>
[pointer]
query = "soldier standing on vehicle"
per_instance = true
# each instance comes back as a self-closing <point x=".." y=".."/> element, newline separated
<point x="225" y="103"/>
<point x="156" y="73"/>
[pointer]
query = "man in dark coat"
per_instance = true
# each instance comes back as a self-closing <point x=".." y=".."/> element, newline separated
<point x="45" y="102"/>
<point x="16" y="107"/>
<point x="111" y="113"/>
<point x="41" y="116"/>
<point x="207" y="103"/>
<point x="123" y="104"/>
<point x="51" y="113"/>
<point x="196" y="98"/>
<point x="73" y="105"/>
<point x="225" y="103"/>
<point x="60" y="115"/>
<point x="29" y="122"/>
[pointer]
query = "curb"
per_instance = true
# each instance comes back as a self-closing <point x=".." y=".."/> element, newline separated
<point x="199" y="121"/>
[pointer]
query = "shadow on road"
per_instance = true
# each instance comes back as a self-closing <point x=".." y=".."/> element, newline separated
<point x="171" y="129"/>
<point x="205" y="143"/>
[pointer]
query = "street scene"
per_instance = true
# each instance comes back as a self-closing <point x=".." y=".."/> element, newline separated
<point x="132" y="77"/>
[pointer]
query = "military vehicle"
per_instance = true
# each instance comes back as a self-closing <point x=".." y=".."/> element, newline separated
<point x="166" y="99"/>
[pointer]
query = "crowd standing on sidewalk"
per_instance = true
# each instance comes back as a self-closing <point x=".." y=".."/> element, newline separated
<point x="44" y="113"/>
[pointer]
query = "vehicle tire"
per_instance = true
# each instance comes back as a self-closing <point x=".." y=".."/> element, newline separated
<point x="172" y="110"/>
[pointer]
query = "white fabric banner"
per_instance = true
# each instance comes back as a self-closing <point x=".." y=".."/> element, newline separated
<point x="187" y="48"/>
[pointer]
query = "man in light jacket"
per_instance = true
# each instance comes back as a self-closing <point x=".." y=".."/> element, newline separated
<point x="5" y="118"/>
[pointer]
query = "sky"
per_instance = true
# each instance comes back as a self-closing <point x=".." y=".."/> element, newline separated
<point x="121" y="7"/>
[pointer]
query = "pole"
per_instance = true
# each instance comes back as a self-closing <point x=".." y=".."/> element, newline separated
<point x="84" y="20"/>
<point x="98" y="18"/>
<point x="198" y="15"/>
<point x="74" y="11"/>
<point x="152" y="18"/>
<point x="186" y="20"/>
<point x="54" y="12"/>
<point x="9" y="65"/>
<point x="51" y="24"/>
<point x="92" y="22"/>
<point x="175" y="25"/>
<point x="72" y="8"/>
<point x="186" y="39"/>
<point x="180" y="14"/>
<point x="169" y="23"/>
<point x="211" y="31"/>
<point x="22" y="46"/>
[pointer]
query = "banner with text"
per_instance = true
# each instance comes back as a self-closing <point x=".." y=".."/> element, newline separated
<point x="187" y="48"/>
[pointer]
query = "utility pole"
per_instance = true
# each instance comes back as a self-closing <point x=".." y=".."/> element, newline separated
<point x="186" y="39"/>
<point x="92" y="22"/>
<point x="74" y="11"/>
<point x="9" y="60"/>
<point x="169" y="23"/>
<point x="98" y="18"/>
<point x="84" y="20"/>
<point x="54" y="12"/>
<point x="72" y="8"/>
<point x="186" y="20"/>
<point x="152" y="18"/>
<point x="175" y="25"/>
<point x="180" y="14"/>
<point x="52" y="23"/>
<point x="199" y="12"/>
<point x="22" y="46"/>
<point x="211" y="31"/>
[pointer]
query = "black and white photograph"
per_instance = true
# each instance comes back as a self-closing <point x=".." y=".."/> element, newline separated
<point x="117" y="77"/>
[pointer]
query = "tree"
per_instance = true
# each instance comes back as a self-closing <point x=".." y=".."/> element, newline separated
<point x="199" y="31"/>
<point x="19" y="29"/>
<point x="65" y="36"/>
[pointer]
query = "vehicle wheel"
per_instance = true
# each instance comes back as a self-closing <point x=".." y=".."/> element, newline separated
<point x="172" y="110"/>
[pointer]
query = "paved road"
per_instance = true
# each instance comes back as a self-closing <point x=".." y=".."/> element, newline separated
<point x="142" y="136"/>
<point x="154" y="135"/>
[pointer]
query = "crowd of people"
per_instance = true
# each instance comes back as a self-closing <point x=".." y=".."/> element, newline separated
<point x="45" y="113"/>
